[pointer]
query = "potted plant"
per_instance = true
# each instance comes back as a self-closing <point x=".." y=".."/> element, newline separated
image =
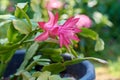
<point x="46" y="45"/>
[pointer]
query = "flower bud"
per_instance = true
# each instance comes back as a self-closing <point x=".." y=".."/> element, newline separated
<point x="84" y="21"/>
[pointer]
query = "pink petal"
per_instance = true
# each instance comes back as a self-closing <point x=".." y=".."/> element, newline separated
<point x="72" y="23"/>
<point x="75" y="38"/>
<point x="77" y="30"/>
<point x="75" y="20"/>
<point x="41" y="24"/>
<point x="55" y="31"/>
<point x="56" y="18"/>
<point x="61" y="40"/>
<point x="51" y="18"/>
<point x="42" y="37"/>
<point x="68" y="21"/>
<point x="66" y="42"/>
<point x="66" y="39"/>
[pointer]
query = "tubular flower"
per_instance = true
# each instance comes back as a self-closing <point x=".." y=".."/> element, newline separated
<point x="67" y="32"/>
<point x="84" y="21"/>
<point x="50" y="27"/>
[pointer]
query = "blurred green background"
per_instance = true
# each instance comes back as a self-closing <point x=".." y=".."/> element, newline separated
<point x="105" y="15"/>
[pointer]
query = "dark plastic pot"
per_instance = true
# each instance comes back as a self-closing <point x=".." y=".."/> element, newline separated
<point x="82" y="71"/>
<point x="14" y="63"/>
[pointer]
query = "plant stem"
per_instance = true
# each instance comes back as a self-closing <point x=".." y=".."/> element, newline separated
<point x="71" y="50"/>
<point x="2" y="68"/>
<point x="23" y="64"/>
<point x="74" y="61"/>
<point x="78" y="60"/>
<point x="29" y="67"/>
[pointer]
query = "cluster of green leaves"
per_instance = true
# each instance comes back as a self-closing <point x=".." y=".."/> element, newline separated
<point x="27" y="71"/>
<point x="105" y="16"/>
<point x="19" y="29"/>
<point x="104" y="22"/>
<point x="99" y="46"/>
<point x="46" y="75"/>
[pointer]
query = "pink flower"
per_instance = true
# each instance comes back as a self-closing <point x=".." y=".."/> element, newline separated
<point x="67" y="32"/>
<point x="84" y="21"/>
<point x="50" y="27"/>
<point x="53" y="4"/>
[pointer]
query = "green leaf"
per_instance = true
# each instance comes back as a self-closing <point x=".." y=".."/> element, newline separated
<point x="7" y="56"/>
<point x="20" y="12"/>
<point x="89" y="33"/>
<point x="55" y="77"/>
<point x="96" y="59"/>
<point x="27" y="76"/>
<point x="34" y="25"/>
<point x="22" y="6"/>
<point x="44" y="76"/>
<point x="36" y="62"/>
<point x="99" y="18"/>
<point x="43" y="60"/>
<point x="36" y="57"/>
<point x="36" y="8"/>
<point x="31" y="51"/>
<point x="54" y="54"/>
<point x="7" y="17"/>
<point x="49" y="51"/>
<point x="68" y="78"/>
<point x="56" y="58"/>
<point x="54" y="68"/>
<point x="37" y="16"/>
<point x="2" y="68"/>
<point x="73" y="52"/>
<point x="99" y="46"/>
<point x="22" y="26"/>
<point x="78" y="60"/>
<point x="43" y="63"/>
<point x="7" y="48"/>
<point x="5" y="22"/>
<point x="12" y="34"/>
<point x="26" y="16"/>
<point x="35" y="5"/>
<point x="74" y="61"/>
<point x="36" y="74"/>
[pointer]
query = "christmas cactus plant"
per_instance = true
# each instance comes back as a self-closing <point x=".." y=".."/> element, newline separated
<point x="46" y="38"/>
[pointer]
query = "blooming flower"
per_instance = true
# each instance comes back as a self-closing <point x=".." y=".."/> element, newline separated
<point x="84" y="21"/>
<point x="53" y="4"/>
<point x="49" y="27"/>
<point x="67" y="32"/>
